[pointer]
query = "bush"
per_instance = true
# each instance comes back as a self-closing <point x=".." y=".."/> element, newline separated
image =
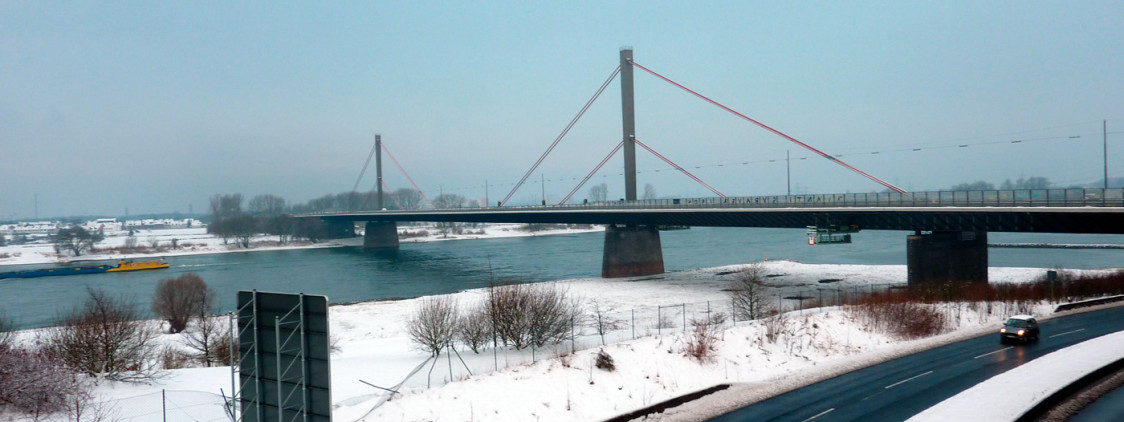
<point x="604" y="361"/>
<point x="179" y="299"/>
<point x="701" y="340"/>
<point x="103" y="337"/>
<point x="205" y="339"/>
<point x="31" y="383"/>
<point x="475" y="329"/>
<point x="524" y="315"/>
<point x="434" y="323"/>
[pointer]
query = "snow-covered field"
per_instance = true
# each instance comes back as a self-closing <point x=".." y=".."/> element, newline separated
<point x="372" y="346"/>
<point x="196" y="241"/>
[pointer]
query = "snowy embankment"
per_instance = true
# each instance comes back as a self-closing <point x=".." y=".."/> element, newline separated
<point x="647" y="343"/>
<point x="196" y="241"/>
<point x="1011" y="394"/>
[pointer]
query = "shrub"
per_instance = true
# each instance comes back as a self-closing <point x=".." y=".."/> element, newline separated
<point x="179" y="299"/>
<point x="475" y="329"/>
<point x="103" y="337"/>
<point x="32" y="383"/>
<point x="604" y="361"/>
<point x="205" y="337"/>
<point x="524" y="315"/>
<point x="434" y="323"/>
<point x="701" y="340"/>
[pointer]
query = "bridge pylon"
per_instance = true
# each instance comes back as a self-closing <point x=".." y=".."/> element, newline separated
<point x="631" y="251"/>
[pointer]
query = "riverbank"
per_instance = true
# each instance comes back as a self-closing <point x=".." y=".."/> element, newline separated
<point x="150" y="244"/>
<point x="650" y="331"/>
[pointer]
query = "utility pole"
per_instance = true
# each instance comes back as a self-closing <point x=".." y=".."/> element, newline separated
<point x="36" y="207"/>
<point x="485" y="193"/>
<point x="788" y="171"/>
<point x="378" y="169"/>
<point x="1104" y="128"/>
<point x="542" y="181"/>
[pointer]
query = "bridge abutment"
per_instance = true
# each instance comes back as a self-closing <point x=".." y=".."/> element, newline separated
<point x="381" y="235"/>
<point x="631" y="251"/>
<point x="947" y="256"/>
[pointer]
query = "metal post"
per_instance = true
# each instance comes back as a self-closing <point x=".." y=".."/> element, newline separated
<point x="628" y="120"/>
<point x="378" y="168"/>
<point x="233" y="392"/>
<point x="573" y="348"/>
<point x="684" y="316"/>
<point x="164" y="404"/>
<point x="304" y="360"/>
<point x="788" y="171"/>
<point x="280" y="374"/>
<point x="257" y="358"/>
<point x="634" y="323"/>
<point x="659" y="320"/>
<point x="1104" y="129"/>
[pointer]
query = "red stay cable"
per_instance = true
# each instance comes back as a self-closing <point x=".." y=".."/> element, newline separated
<point x="561" y="135"/>
<point x="595" y="169"/>
<point x="766" y="127"/>
<point x="677" y="167"/>
<point x="415" y="185"/>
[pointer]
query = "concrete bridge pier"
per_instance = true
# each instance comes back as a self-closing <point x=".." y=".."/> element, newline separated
<point x="947" y="256"/>
<point x="381" y="235"/>
<point x="631" y="251"/>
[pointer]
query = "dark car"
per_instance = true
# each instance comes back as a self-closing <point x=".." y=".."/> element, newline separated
<point x="1022" y="328"/>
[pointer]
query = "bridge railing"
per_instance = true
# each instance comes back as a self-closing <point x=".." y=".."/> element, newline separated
<point x="1085" y="197"/>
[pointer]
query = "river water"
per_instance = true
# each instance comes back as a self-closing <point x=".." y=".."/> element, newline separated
<point x="352" y="274"/>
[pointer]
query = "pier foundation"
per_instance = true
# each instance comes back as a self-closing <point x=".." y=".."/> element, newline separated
<point x="947" y="256"/>
<point x="381" y="235"/>
<point x="631" y="251"/>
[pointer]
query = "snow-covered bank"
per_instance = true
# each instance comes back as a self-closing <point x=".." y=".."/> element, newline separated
<point x="1011" y="394"/>
<point x="196" y="241"/>
<point x="372" y="346"/>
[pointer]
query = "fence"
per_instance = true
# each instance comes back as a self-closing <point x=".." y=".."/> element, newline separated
<point x="166" y="405"/>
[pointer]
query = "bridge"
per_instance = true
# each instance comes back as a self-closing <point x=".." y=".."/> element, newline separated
<point x="949" y="240"/>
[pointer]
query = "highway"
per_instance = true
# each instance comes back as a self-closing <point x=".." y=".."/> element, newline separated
<point x="898" y="389"/>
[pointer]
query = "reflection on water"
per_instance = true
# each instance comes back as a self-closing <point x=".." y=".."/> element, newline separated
<point x="354" y="274"/>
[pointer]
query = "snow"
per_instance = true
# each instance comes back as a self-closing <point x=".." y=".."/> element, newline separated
<point x="196" y="241"/>
<point x="1010" y="394"/>
<point x="371" y="346"/>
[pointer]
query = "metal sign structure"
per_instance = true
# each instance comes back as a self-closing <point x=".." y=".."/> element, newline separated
<point x="284" y="372"/>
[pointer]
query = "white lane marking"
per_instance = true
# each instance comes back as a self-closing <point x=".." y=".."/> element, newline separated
<point x="1067" y="332"/>
<point x="818" y="415"/>
<point x="992" y="353"/>
<point x="908" y="380"/>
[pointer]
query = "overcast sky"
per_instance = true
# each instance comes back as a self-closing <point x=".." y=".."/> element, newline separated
<point x="153" y="107"/>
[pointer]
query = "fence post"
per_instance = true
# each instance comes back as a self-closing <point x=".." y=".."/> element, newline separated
<point x="684" y="317"/>
<point x="634" y="323"/>
<point x="572" y="347"/>
<point x="164" y="404"/>
<point x="659" y="320"/>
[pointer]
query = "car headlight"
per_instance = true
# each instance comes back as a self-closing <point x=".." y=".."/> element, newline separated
<point x="1002" y="330"/>
<point x="1021" y="332"/>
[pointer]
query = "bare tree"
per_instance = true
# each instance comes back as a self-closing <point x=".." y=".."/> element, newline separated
<point x="749" y="294"/>
<point x="267" y="205"/>
<point x="180" y="299"/>
<point x="434" y="323"/>
<point x="103" y="338"/>
<point x="409" y="198"/>
<point x="76" y="240"/>
<point x="649" y="191"/>
<point x="225" y="206"/>
<point x="448" y="200"/>
<point x="599" y="193"/>
<point x="524" y="315"/>
<point x="206" y="338"/>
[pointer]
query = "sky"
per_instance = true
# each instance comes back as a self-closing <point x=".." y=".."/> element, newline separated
<point x="108" y="108"/>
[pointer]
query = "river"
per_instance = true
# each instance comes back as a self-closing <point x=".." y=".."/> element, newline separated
<point x="352" y="274"/>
